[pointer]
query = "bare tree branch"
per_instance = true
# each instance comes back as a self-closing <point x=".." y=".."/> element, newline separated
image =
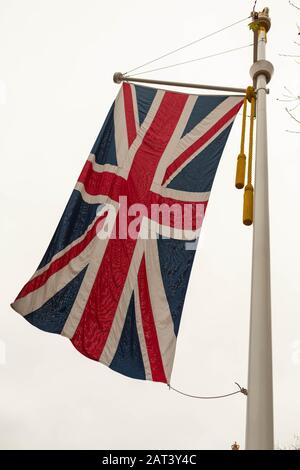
<point x="289" y="55"/>
<point x="292" y="116"/>
<point x="284" y="101"/>
<point x="290" y="98"/>
<point x="295" y="107"/>
<point x="291" y="94"/>
<point x="294" y="5"/>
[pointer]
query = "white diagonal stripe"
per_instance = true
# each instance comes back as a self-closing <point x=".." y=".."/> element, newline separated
<point x="95" y="259"/>
<point x="121" y="139"/>
<point x="135" y="107"/>
<point x="160" y="307"/>
<point x="94" y="199"/>
<point x="150" y="229"/>
<point x="170" y="149"/>
<point x="62" y="252"/>
<point x="188" y="160"/>
<point x="107" y="167"/>
<point x="115" y="333"/>
<point x="177" y="195"/>
<point x="207" y="123"/>
<point x="35" y="299"/>
<point x="142" y="130"/>
<point x="99" y="199"/>
<point x="141" y="335"/>
<point x="172" y="232"/>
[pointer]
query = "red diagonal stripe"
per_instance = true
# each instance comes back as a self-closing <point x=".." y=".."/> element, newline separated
<point x="96" y="321"/>
<point x="152" y="344"/>
<point x="61" y="262"/>
<point x="200" y="142"/>
<point x="129" y="113"/>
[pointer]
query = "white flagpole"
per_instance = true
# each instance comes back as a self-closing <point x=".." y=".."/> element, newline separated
<point x="259" y="429"/>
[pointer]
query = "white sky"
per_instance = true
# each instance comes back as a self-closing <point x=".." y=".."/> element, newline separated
<point x="56" y="65"/>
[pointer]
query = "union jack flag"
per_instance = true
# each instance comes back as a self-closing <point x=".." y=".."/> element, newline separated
<point x="118" y="298"/>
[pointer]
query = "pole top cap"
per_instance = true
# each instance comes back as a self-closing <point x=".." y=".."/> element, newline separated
<point x="262" y="19"/>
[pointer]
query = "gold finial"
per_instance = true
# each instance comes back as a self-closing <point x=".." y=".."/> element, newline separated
<point x="261" y="20"/>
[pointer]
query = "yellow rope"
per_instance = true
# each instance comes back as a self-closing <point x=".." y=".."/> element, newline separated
<point x="248" y="195"/>
<point x="241" y="161"/>
<point x="244" y="126"/>
<point x="249" y="181"/>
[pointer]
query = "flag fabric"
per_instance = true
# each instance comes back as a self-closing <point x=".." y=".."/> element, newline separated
<point x="114" y="277"/>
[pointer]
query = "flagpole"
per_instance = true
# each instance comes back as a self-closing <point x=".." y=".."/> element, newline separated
<point x="259" y="428"/>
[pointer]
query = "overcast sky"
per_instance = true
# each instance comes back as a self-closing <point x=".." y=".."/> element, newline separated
<point x="57" y="59"/>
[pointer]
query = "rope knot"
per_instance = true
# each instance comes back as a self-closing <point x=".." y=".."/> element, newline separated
<point x="243" y="390"/>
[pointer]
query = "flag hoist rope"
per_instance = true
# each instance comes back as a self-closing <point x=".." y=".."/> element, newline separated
<point x="248" y="194"/>
<point x="242" y="390"/>
<point x="241" y="161"/>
